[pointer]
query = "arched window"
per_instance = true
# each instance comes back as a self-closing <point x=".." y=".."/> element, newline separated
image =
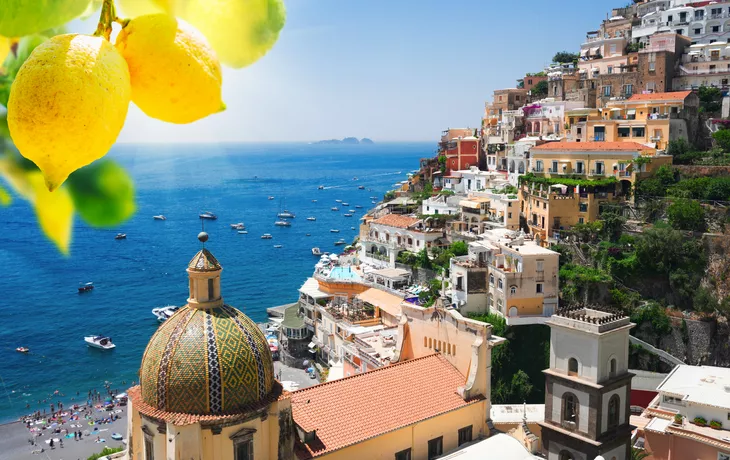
<point x="513" y="290"/>
<point x="491" y="279"/>
<point x="613" y="411"/>
<point x="612" y="367"/>
<point x="570" y="408"/>
<point x="565" y="455"/>
<point x="499" y="284"/>
<point x="572" y="366"/>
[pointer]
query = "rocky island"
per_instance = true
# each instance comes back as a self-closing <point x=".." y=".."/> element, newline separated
<point x="346" y="140"/>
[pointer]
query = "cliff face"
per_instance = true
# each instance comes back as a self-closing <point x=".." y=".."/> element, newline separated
<point x="694" y="342"/>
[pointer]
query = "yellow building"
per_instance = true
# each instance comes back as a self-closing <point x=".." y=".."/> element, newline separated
<point x="207" y="389"/>
<point x="570" y="182"/>
<point x="651" y="119"/>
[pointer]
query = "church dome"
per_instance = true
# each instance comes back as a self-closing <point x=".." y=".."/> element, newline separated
<point x="208" y="358"/>
<point x="206" y="361"/>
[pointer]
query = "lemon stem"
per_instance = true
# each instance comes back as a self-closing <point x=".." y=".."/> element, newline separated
<point x="107" y="17"/>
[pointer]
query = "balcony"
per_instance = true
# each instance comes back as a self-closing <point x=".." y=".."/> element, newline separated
<point x="595" y="172"/>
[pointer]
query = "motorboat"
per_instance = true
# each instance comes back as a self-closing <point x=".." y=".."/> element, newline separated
<point x="347" y="215"/>
<point x="340" y="242"/>
<point x="159" y="217"/>
<point x="338" y="201"/>
<point x="163" y="313"/>
<point x="352" y="228"/>
<point x="345" y="204"/>
<point x="321" y="187"/>
<point x="314" y="201"/>
<point x="335" y="208"/>
<point x="311" y="218"/>
<point x="271" y="197"/>
<point x="243" y="232"/>
<point x="22" y="349"/>
<point x="350" y="210"/>
<point x="86" y="287"/>
<point x="99" y="341"/>
<point x="266" y="236"/>
<point x="362" y="187"/>
<point x="373" y="197"/>
<point x="374" y="202"/>
<point x="282" y="223"/>
<point x="316" y="252"/>
<point x="238" y="226"/>
<point x="121" y="236"/>
<point x="334" y="230"/>
<point x="278" y="246"/>
<point x="308" y="234"/>
<point x="354" y="178"/>
<point x="286" y="214"/>
<point x="207" y="215"/>
<point x="357" y="206"/>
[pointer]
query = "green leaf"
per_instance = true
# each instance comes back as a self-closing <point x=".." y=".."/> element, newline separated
<point x="5" y="198"/>
<point x="103" y="193"/>
<point x="25" y="17"/>
<point x="26" y="45"/>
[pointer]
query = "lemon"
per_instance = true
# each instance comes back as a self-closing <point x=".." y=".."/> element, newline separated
<point x="134" y="8"/>
<point x="4" y="48"/>
<point x="176" y="76"/>
<point x="68" y="104"/>
<point x="240" y="31"/>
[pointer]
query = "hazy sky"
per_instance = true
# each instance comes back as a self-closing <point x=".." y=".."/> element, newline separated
<point x="391" y="70"/>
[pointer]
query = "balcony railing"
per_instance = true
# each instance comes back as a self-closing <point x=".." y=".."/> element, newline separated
<point x="597" y="173"/>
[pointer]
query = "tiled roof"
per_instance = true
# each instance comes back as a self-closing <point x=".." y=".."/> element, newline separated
<point x="591" y="146"/>
<point x="204" y="261"/>
<point x="671" y="96"/>
<point x="382" y="400"/>
<point x="396" y="220"/>
<point x="182" y="419"/>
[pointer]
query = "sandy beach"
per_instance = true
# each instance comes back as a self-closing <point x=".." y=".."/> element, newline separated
<point x="15" y="438"/>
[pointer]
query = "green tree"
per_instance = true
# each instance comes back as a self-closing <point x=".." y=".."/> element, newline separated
<point x="686" y="214"/>
<point x="639" y="454"/>
<point x="521" y="388"/>
<point x="678" y="147"/>
<point x="722" y="139"/>
<point x="710" y="99"/>
<point x="612" y="224"/>
<point x="422" y="259"/>
<point x="704" y="300"/>
<point x="565" y="57"/>
<point x="540" y="89"/>
<point x="459" y="248"/>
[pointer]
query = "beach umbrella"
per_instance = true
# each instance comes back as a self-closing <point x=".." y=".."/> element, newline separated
<point x="305" y="363"/>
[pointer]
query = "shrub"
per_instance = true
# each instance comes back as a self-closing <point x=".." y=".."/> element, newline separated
<point x="722" y="139"/>
<point x="686" y="215"/>
<point x="459" y="248"/>
<point x="565" y="57"/>
<point x="700" y="421"/>
<point x="105" y="452"/>
<point x="654" y="314"/>
<point x="678" y="147"/>
<point x="678" y="419"/>
<point x="716" y="424"/>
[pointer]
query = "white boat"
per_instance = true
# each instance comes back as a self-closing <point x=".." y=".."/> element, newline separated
<point x="352" y="228"/>
<point x="286" y="214"/>
<point x="163" y="313"/>
<point x="311" y="218"/>
<point x="207" y="215"/>
<point x="335" y="208"/>
<point x="362" y="187"/>
<point x="282" y="223"/>
<point x="350" y="210"/>
<point x="345" y="204"/>
<point x="347" y="215"/>
<point x="373" y="197"/>
<point x="321" y="187"/>
<point x="316" y="252"/>
<point x="271" y="197"/>
<point x="338" y="201"/>
<point x="99" y="341"/>
<point x="357" y="206"/>
<point x="266" y="236"/>
<point x="159" y="217"/>
<point x="243" y="232"/>
<point x="121" y="236"/>
<point x="238" y="226"/>
<point x="340" y="242"/>
<point x="278" y="246"/>
<point x="334" y="230"/>
<point x="308" y="234"/>
<point x="314" y="201"/>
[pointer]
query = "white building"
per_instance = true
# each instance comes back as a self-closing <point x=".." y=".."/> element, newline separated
<point x="704" y="65"/>
<point x="392" y="234"/>
<point x="518" y="158"/>
<point x="475" y="180"/>
<point x="441" y="205"/>
<point x="703" y="22"/>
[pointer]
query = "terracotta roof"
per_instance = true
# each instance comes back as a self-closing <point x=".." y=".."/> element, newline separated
<point x="671" y="96"/>
<point x="182" y="419"/>
<point x="591" y="146"/>
<point x="382" y="400"/>
<point x="396" y="220"/>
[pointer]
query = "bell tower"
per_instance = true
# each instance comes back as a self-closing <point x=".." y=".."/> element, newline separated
<point x="588" y="386"/>
<point x="204" y="274"/>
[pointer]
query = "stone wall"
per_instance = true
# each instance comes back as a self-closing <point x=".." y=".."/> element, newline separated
<point x="688" y="171"/>
<point x="701" y="345"/>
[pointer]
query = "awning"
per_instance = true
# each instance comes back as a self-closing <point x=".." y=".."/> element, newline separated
<point x="615" y="109"/>
<point x="631" y="112"/>
<point x="469" y="204"/>
<point x="311" y="288"/>
<point x="594" y="51"/>
<point x="582" y="71"/>
<point x="584" y="52"/>
<point x="312" y="345"/>
<point x="387" y="302"/>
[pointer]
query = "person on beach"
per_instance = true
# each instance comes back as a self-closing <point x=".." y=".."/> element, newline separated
<point x="51" y="443"/>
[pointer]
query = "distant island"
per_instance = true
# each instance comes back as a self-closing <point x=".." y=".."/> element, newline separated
<point x="347" y="140"/>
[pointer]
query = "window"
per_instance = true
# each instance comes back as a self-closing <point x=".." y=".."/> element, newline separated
<point x="697" y="31"/>
<point x="579" y="166"/>
<point x="699" y="14"/>
<point x="572" y="366"/>
<point x="599" y="167"/>
<point x="607" y="91"/>
<point x="624" y="132"/>
<point x="581" y="220"/>
<point x="211" y="289"/>
<point x="610" y="69"/>
<point x="613" y="411"/>
<point x="435" y="447"/>
<point x="243" y="450"/>
<point x="500" y="284"/>
<point x="513" y="290"/>
<point x="583" y="207"/>
<point x="612" y="367"/>
<point x="538" y="165"/>
<point x="638" y="131"/>
<point x="652" y="62"/>
<point x="716" y="29"/>
<point x="509" y="215"/>
<point x="570" y="408"/>
<point x="403" y="455"/>
<point x="149" y="449"/>
<point x="459" y="283"/>
<point x="672" y="400"/>
<point x="554" y="167"/>
<point x="612" y="50"/>
<point x="538" y="288"/>
<point x="465" y="435"/>
<point x="628" y="90"/>
<point x="540" y="265"/>
<point x="491" y="279"/>
<point x="565" y="455"/>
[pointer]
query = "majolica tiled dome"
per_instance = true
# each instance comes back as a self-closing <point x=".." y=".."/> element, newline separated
<point x="206" y="361"/>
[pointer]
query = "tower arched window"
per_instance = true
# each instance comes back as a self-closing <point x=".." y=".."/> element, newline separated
<point x="612" y="367"/>
<point x="513" y="290"/>
<point x="491" y="279"/>
<point x="613" y="411"/>
<point x="572" y="366"/>
<point x="570" y="408"/>
<point x="565" y="455"/>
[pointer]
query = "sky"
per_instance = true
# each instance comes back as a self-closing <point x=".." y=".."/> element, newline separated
<point x="390" y="70"/>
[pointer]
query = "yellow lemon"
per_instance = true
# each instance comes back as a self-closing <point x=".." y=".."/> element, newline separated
<point x="134" y="8"/>
<point x="68" y="104"/>
<point x="176" y="76"/>
<point x="4" y="48"/>
<point x="240" y="31"/>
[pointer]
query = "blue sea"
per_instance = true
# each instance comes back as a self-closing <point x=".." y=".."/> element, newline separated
<point x="40" y="307"/>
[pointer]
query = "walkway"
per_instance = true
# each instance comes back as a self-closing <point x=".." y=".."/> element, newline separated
<point x="663" y="355"/>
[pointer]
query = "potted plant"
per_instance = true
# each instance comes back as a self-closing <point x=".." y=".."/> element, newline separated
<point x="700" y="421"/>
<point x="716" y="424"/>
<point x="677" y="419"/>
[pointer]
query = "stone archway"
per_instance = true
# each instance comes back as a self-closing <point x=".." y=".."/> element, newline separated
<point x="513" y="312"/>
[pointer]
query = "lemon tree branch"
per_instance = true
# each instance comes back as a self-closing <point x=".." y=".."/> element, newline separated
<point x="107" y="17"/>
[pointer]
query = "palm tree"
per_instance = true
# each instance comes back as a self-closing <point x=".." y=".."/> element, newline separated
<point x="639" y="454"/>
